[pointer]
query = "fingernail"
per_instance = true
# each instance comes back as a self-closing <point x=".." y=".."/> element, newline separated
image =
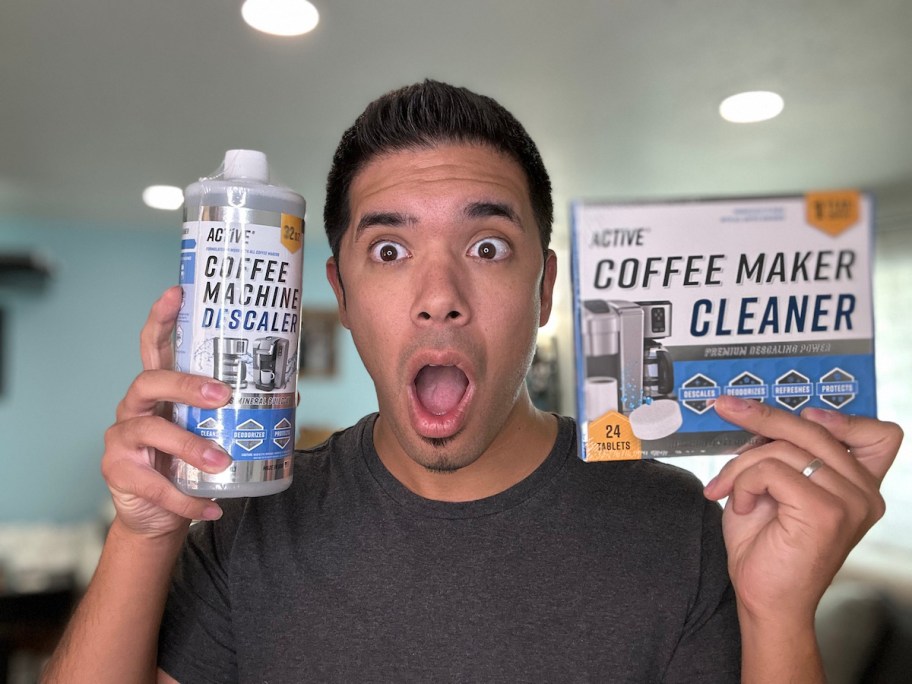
<point x="216" y="458"/>
<point x="212" y="512"/>
<point x="709" y="491"/>
<point x="215" y="391"/>
<point x="820" y="415"/>
<point x="735" y="403"/>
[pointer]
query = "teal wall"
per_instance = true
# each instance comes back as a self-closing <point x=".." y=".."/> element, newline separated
<point x="70" y="350"/>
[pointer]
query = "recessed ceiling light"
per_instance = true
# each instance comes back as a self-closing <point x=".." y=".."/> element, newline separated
<point x="280" y="17"/>
<point x="750" y="107"/>
<point x="165" y="197"/>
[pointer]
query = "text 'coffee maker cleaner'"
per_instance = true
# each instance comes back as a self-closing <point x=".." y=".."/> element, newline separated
<point x="240" y="271"/>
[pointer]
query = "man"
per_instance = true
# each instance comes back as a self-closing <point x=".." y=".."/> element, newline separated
<point x="455" y="535"/>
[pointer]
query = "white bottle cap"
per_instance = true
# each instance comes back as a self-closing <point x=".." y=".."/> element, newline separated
<point x="248" y="164"/>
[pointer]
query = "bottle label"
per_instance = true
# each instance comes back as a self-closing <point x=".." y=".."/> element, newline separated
<point x="239" y="322"/>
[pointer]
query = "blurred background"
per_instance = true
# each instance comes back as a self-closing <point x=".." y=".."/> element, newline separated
<point x="100" y="99"/>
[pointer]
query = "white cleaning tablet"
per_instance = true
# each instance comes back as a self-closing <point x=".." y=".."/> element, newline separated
<point x="656" y="420"/>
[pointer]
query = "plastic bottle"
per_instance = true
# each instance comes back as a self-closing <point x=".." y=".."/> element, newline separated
<point x="240" y="271"/>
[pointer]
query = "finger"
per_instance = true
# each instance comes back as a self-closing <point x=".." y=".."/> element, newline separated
<point x="860" y="501"/>
<point x="791" y="491"/>
<point x="155" y="338"/>
<point x="784" y="451"/>
<point x="152" y="432"/>
<point x="873" y="443"/>
<point x="152" y="387"/>
<point x="776" y="424"/>
<point x="139" y="486"/>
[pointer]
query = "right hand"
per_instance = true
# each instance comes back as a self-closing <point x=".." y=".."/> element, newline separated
<point x="145" y="500"/>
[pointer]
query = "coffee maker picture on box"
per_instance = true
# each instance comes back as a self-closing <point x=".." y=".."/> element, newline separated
<point x="627" y="367"/>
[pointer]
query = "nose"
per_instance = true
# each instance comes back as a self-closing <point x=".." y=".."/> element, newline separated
<point x="440" y="294"/>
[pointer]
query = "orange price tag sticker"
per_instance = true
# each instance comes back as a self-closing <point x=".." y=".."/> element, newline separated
<point x="832" y="212"/>
<point x="610" y="438"/>
<point x="292" y="232"/>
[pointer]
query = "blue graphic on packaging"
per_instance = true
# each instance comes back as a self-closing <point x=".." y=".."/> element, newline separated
<point x="187" y="267"/>
<point x="791" y="383"/>
<point x="247" y="435"/>
<point x="748" y="386"/>
<point x="698" y="392"/>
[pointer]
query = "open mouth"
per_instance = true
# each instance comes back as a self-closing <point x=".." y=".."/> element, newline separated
<point x="440" y="389"/>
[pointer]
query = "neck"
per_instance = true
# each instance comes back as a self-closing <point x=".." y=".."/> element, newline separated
<point x="521" y="445"/>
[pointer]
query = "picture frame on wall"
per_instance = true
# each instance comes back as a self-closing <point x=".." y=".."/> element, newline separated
<point x="318" y="345"/>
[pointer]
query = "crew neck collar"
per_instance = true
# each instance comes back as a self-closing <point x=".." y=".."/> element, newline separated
<point x="510" y="497"/>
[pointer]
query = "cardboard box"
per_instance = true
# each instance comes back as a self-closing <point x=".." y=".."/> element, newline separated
<point x="678" y="302"/>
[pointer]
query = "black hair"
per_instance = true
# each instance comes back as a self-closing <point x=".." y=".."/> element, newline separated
<point x="421" y="116"/>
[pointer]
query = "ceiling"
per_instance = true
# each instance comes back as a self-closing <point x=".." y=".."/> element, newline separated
<point x="101" y="98"/>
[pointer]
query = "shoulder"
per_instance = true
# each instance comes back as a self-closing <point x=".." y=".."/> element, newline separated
<point x="655" y="497"/>
<point x="319" y="475"/>
<point x="644" y="514"/>
<point x="642" y="490"/>
<point x="641" y="476"/>
<point x="339" y="457"/>
<point x="633" y="478"/>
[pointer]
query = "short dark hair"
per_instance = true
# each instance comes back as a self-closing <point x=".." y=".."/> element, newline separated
<point x="421" y="116"/>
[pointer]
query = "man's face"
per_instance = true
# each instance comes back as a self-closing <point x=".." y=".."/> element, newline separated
<point x="445" y="285"/>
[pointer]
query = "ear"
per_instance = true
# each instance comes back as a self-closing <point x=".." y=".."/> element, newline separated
<point x="335" y="281"/>
<point x="549" y="276"/>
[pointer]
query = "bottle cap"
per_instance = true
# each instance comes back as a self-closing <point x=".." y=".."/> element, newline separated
<point x="248" y="164"/>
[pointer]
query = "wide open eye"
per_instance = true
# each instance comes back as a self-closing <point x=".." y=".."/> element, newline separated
<point x="387" y="251"/>
<point x="491" y="248"/>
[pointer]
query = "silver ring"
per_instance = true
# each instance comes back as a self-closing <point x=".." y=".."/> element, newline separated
<point x="812" y="467"/>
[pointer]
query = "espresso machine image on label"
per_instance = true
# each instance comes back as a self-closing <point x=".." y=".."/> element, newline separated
<point x="241" y="268"/>
<point x="270" y="363"/>
<point x="627" y="367"/>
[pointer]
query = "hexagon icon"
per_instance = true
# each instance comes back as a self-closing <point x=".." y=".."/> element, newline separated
<point x="748" y="386"/>
<point x="793" y="389"/>
<point x="699" y="393"/>
<point x="837" y="388"/>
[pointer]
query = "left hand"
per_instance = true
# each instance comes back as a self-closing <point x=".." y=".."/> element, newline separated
<point x="787" y="534"/>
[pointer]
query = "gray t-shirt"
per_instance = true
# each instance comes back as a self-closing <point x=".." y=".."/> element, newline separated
<point x="609" y="572"/>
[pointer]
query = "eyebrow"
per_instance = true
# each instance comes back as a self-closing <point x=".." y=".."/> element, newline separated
<point x="473" y="210"/>
<point x="390" y="219"/>
<point x="477" y="210"/>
